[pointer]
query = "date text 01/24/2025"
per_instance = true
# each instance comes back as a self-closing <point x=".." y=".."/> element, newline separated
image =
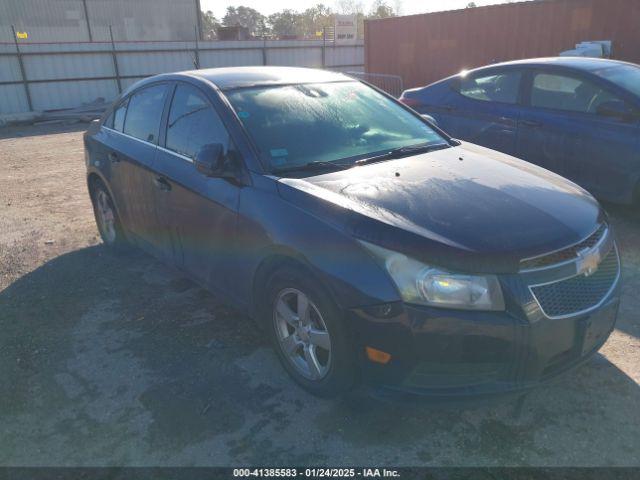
<point x="315" y="473"/>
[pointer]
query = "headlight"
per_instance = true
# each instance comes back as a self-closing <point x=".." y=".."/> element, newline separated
<point x="426" y="285"/>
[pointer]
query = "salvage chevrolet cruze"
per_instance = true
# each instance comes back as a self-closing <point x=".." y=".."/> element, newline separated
<point x="366" y="241"/>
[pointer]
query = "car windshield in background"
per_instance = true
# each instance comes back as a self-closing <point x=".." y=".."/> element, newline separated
<point x="297" y="125"/>
<point x="625" y="76"/>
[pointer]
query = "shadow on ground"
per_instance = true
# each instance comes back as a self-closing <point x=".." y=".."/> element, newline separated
<point x="48" y="128"/>
<point x="626" y="222"/>
<point x="117" y="360"/>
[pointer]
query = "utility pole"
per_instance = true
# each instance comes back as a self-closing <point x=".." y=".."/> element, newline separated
<point x="86" y="17"/>
<point x="23" y="72"/>
<point x="198" y="19"/>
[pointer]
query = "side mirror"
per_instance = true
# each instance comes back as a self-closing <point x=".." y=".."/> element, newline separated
<point x="429" y="119"/>
<point x="210" y="160"/>
<point x="615" y="109"/>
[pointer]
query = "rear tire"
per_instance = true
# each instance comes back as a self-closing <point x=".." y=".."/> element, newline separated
<point x="107" y="219"/>
<point x="307" y="331"/>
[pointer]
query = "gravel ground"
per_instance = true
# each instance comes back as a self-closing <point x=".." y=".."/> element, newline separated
<point x="112" y="359"/>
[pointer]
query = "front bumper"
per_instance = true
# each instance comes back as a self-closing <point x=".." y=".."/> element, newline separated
<point x="441" y="352"/>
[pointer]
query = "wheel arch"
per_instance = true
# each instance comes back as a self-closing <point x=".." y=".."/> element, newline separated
<point x="94" y="178"/>
<point x="274" y="259"/>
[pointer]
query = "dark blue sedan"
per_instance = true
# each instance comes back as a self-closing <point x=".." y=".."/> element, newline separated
<point x="365" y="241"/>
<point x="579" y="117"/>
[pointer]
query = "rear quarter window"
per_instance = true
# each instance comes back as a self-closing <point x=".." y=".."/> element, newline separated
<point x="116" y="119"/>
<point x="109" y="121"/>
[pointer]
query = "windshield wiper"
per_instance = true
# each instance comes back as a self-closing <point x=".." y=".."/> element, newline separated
<point x="395" y="153"/>
<point x="403" y="152"/>
<point x="313" y="166"/>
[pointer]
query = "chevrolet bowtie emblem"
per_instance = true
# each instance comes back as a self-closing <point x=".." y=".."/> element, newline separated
<point x="588" y="261"/>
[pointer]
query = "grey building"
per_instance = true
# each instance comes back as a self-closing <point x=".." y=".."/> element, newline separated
<point x="89" y="20"/>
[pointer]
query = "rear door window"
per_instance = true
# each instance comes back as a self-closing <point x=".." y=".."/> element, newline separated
<point x="502" y="87"/>
<point x="193" y="123"/>
<point x="144" y="113"/>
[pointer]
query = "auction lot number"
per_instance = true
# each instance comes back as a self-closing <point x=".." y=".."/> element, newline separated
<point x="315" y="473"/>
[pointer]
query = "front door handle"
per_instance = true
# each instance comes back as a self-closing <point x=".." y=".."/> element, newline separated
<point x="448" y="108"/>
<point x="162" y="183"/>
<point x="113" y="157"/>
<point x="531" y="123"/>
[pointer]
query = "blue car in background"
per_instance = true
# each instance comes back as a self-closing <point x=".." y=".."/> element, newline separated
<point x="578" y="117"/>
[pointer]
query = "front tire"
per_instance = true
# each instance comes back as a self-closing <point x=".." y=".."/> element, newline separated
<point x="308" y="333"/>
<point x="107" y="219"/>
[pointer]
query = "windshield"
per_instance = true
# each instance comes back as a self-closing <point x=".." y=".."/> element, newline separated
<point x="625" y="76"/>
<point x="295" y="125"/>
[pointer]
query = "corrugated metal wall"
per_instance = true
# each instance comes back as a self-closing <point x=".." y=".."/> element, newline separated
<point x="66" y="21"/>
<point x="425" y="48"/>
<point x="89" y="69"/>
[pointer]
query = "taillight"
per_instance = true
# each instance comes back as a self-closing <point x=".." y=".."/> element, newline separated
<point x="411" y="102"/>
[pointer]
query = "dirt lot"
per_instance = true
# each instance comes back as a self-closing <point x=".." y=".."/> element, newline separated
<point x="118" y="360"/>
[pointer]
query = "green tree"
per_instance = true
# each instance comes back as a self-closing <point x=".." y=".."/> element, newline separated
<point x="209" y="24"/>
<point x="471" y="5"/>
<point x="349" y="7"/>
<point x="314" y="19"/>
<point x="381" y="9"/>
<point x="286" y="22"/>
<point x="247" y="17"/>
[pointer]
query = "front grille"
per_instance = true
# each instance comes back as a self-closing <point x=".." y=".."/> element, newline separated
<point x="569" y="253"/>
<point x="580" y="293"/>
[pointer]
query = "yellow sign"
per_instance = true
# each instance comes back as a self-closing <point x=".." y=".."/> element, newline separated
<point x="22" y="35"/>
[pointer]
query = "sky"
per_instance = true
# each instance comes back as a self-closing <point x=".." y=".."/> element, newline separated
<point x="407" y="7"/>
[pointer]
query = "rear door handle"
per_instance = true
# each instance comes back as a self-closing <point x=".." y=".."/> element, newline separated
<point x="162" y="183"/>
<point x="113" y="158"/>
<point x="531" y="123"/>
<point x="448" y="108"/>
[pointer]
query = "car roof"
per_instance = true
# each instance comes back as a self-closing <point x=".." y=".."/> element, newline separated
<point x="579" y="63"/>
<point x="235" y="77"/>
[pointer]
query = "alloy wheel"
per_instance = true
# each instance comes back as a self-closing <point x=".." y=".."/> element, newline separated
<point x="106" y="217"/>
<point x="302" y="333"/>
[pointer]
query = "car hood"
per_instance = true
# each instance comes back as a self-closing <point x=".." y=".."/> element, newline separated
<point x="466" y="208"/>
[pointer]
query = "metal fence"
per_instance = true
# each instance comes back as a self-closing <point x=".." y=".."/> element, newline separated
<point x="45" y="76"/>
<point x="392" y="84"/>
<point x="89" y="20"/>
